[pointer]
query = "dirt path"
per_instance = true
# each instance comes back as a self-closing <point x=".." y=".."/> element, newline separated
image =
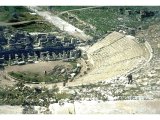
<point x="19" y="23"/>
<point x="80" y="9"/>
<point x="61" y="24"/>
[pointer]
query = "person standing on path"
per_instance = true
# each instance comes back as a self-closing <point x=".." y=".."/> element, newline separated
<point x="130" y="79"/>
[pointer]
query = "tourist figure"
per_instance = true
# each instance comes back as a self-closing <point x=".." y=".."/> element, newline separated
<point x="64" y="83"/>
<point x="45" y="72"/>
<point x="130" y="80"/>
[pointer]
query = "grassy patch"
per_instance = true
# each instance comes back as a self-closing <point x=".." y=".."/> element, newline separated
<point x="29" y="77"/>
<point x="63" y="8"/>
<point x="13" y="9"/>
<point x="17" y="14"/>
<point x="6" y="13"/>
<point x="73" y="64"/>
<point x="36" y="27"/>
<point x="22" y="95"/>
<point x="63" y="95"/>
<point x="106" y="19"/>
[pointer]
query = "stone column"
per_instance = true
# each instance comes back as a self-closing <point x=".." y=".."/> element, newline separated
<point x="23" y="57"/>
<point x="35" y="56"/>
<point x="9" y="59"/>
<point x="48" y="56"/>
<point x="70" y="54"/>
<point x="64" y="55"/>
<point x="41" y="56"/>
<point x="60" y="56"/>
<point x="16" y="57"/>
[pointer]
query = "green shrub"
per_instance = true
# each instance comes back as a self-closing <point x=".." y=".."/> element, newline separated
<point x="63" y="95"/>
<point x="35" y="77"/>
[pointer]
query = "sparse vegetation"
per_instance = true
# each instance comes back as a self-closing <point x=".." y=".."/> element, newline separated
<point x="15" y="14"/>
<point x="74" y="64"/>
<point x="63" y="95"/>
<point x="30" y="77"/>
<point x="18" y="14"/>
<point x="107" y="19"/>
<point x="63" y="8"/>
<point x="23" y="95"/>
<point x="37" y="27"/>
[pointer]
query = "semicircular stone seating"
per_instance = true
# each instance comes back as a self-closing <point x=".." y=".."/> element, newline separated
<point x="115" y="55"/>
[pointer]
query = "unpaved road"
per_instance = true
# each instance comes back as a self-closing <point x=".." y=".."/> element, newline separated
<point x="61" y="24"/>
<point x="19" y="23"/>
<point x="80" y="9"/>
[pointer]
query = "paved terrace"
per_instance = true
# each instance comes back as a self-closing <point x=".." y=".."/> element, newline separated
<point x="110" y="107"/>
<point x="93" y="107"/>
